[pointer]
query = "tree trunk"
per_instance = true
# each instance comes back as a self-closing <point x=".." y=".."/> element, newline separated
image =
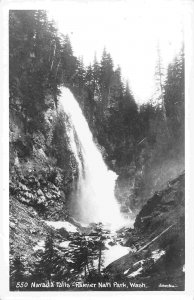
<point x="162" y="94"/>
<point x="100" y="254"/>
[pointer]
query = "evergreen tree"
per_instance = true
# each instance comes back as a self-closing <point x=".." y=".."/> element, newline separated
<point x="29" y="65"/>
<point x="78" y="255"/>
<point x="40" y="61"/>
<point x="68" y="60"/>
<point x="174" y="96"/>
<point x="100" y="246"/>
<point x="160" y="82"/>
<point x="80" y="73"/>
<point x="106" y="76"/>
<point x="17" y="272"/>
<point x="49" y="265"/>
<point x="116" y="90"/>
<point x="147" y="116"/>
<point x="96" y="71"/>
<point x="129" y="110"/>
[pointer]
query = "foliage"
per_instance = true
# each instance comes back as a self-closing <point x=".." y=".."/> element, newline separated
<point x="85" y="252"/>
<point x="141" y="142"/>
<point x="174" y="96"/>
<point x="50" y="264"/>
<point x="40" y="60"/>
<point x="17" y="272"/>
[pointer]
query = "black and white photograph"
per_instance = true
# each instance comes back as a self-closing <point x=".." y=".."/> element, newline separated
<point x="97" y="146"/>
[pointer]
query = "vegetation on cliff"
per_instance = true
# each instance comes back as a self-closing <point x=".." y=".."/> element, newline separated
<point x="143" y="144"/>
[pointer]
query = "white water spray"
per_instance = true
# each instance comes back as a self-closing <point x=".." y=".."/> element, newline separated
<point x="94" y="199"/>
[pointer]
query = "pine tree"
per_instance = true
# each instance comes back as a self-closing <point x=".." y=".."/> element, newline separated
<point x="80" y="255"/>
<point x="49" y="265"/>
<point x="80" y="73"/>
<point x="40" y="61"/>
<point x="174" y="95"/>
<point x="160" y="82"/>
<point x="68" y="60"/>
<point x="17" y="272"/>
<point x="29" y="65"/>
<point x="106" y="77"/>
<point x="116" y="90"/>
<point x="129" y="111"/>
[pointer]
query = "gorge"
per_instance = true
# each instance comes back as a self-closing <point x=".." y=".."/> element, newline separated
<point x="96" y="191"/>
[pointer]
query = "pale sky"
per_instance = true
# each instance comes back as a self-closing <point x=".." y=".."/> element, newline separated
<point x="130" y="31"/>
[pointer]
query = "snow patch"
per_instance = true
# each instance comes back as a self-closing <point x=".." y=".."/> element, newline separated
<point x="137" y="272"/>
<point x="126" y="271"/>
<point x="64" y="244"/>
<point x="157" y="254"/>
<point x="140" y="262"/>
<point x="114" y="253"/>
<point x="62" y="224"/>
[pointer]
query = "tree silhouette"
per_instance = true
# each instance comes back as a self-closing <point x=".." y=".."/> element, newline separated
<point x="174" y="95"/>
<point x="17" y="272"/>
<point x="50" y="264"/>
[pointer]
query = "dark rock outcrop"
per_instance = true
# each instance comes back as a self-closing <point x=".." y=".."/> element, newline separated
<point x="158" y="238"/>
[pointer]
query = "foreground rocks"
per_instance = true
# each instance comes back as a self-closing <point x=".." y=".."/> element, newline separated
<point x="157" y="242"/>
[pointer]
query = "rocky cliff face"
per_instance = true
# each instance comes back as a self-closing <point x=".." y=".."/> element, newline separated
<point x="42" y="167"/>
<point x="26" y="230"/>
<point x="157" y="242"/>
<point x="42" y="173"/>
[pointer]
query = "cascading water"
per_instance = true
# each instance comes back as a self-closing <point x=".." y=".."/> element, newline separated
<point x="93" y="198"/>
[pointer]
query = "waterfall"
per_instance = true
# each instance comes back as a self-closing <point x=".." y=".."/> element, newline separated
<point x="93" y="198"/>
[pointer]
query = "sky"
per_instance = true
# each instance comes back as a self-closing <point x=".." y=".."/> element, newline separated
<point x="129" y="30"/>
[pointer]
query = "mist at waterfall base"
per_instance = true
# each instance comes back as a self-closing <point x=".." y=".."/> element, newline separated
<point x="93" y="198"/>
